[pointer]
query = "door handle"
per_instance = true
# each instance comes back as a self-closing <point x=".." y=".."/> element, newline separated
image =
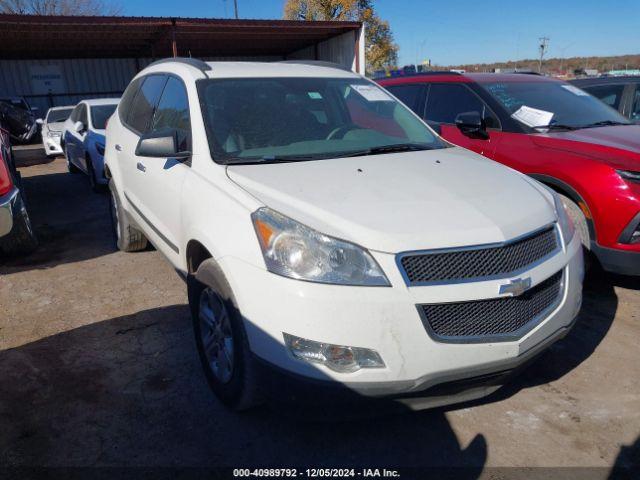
<point x="118" y="147"/>
<point x="141" y="167"/>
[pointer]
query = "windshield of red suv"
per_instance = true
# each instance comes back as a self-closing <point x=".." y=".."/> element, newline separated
<point x="289" y="119"/>
<point x="553" y="103"/>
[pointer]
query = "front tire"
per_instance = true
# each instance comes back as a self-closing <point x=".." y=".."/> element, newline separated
<point x="128" y="238"/>
<point x="70" y="166"/>
<point x="222" y="344"/>
<point x="93" y="181"/>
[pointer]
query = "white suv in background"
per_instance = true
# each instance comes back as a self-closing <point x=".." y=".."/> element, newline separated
<point x="330" y="238"/>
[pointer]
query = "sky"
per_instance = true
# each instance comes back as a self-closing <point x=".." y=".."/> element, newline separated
<point x="451" y="32"/>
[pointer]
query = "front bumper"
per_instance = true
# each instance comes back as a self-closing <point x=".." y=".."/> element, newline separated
<point x="7" y="208"/>
<point x="623" y="262"/>
<point x="386" y="319"/>
<point x="52" y="146"/>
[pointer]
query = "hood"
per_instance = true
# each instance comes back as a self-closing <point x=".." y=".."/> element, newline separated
<point x="402" y="201"/>
<point x="618" y="146"/>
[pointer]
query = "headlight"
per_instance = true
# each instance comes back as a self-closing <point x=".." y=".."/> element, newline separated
<point x="296" y="251"/>
<point x="53" y="134"/>
<point x="629" y="175"/>
<point x="566" y="224"/>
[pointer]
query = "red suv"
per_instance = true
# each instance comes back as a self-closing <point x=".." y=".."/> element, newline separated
<point x="552" y="131"/>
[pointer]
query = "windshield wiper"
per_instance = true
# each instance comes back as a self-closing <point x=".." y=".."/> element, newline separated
<point x="605" y="123"/>
<point x="398" y="147"/>
<point x="556" y="126"/>
<point x="272" y="159"/>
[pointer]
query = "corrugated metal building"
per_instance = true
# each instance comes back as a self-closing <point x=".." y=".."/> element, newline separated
<point x="60" y="60"/>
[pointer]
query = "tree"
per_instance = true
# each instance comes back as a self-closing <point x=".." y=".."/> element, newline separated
<point x="381" y="50"/>
<point x="60" y="7"/>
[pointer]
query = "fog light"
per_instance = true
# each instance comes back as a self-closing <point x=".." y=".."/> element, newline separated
<point x="336" y="357"/>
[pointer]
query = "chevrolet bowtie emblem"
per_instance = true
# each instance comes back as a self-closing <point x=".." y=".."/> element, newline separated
<point x="516" y="287"/>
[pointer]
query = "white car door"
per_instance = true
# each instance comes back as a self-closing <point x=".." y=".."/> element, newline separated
<point x="160" y="180"/>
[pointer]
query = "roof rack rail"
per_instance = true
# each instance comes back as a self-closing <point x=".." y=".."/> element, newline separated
<point x="319" y="63"/>
<point x="415" y="74"/>
<point x="192" y="62"/>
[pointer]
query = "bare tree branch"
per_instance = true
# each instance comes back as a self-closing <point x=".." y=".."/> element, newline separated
<point x="61" y="7"/>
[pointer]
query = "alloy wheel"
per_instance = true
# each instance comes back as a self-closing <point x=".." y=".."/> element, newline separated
<point x="216" y="335"/>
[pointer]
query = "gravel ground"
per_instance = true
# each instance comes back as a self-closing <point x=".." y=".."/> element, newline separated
<point x="98" y="367"/>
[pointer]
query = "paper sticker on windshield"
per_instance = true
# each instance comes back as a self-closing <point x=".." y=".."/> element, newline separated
<point x="532" y="116"/>
<point x="372" y="93"/>
<point x="314" y="95"/>
<point x="575" y="90"/>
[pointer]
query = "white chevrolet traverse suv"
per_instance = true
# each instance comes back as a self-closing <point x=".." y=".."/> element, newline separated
<point x="330" y="240"/>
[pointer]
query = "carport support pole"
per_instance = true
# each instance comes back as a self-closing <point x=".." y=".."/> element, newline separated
<point x="174" y="46"/>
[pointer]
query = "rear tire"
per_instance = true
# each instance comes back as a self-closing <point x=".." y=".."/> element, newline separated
<point x="128" y="238"/>
<point x="21" y="239"/>
<point x="238" y="386"/>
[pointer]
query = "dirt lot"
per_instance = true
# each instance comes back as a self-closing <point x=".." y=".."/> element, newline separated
<point x="98" y="367"/>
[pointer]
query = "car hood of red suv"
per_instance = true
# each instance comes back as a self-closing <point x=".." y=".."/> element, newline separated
<point x="617" y="145"/>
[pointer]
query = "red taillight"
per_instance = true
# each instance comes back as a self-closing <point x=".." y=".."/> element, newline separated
<point x="6" y="183"/>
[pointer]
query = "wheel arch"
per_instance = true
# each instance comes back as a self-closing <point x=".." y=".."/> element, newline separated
<point x="196" y="254"/>
<point x="565" y="189"/>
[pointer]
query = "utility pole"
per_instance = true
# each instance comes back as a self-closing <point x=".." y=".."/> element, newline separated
<point x="235" y="8"/>
<point x="544" y="44"/>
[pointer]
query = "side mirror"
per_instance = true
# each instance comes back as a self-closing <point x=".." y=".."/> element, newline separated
<point x="472" y="125"/>
<point x="78" y="127"/>
<point x="161" y="144"/>
<point x="40" y="121"/>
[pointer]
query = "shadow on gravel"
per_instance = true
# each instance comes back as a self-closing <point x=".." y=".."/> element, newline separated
<point x="130" y="391"/>
<point x="72" y="223"/>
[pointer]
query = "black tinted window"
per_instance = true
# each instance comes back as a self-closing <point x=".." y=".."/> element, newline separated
<point x="409" y="95"/>
<point x="635" y="110"/>
<point x="145" y="101"/>
<point x="446" y="101"/>
<point x="100" y="114"/>
<point x="127" y="99"/>
<point x="75" y="114"/>
<point x="173" y="112"/>
<point x="609" y="94"/>
<point x="82" y="115"/>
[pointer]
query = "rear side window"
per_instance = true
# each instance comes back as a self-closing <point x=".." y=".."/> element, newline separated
<point x="173" y="112"/>
<point x="127" y="99"/>
<point x="446" y="101"/>
<point x="144" y="103"/>
<point x="410" y="95"/>
<point x="609" y="94"/>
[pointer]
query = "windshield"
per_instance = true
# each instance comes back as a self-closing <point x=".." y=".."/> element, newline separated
<point x="100" y="114"/>
<point x="542" y="103"/>
<point x="57" y="116"/>
<point x="262" y="119"/>
<point x="16" y="102"/>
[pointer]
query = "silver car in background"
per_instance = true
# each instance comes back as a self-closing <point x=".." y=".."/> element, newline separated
<point x="52" y="129"/>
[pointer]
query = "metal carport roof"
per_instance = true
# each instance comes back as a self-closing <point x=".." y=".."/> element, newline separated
<point x="49" y="37"/>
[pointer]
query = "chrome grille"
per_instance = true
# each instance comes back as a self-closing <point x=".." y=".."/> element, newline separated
<point x="478" y="262"/>
<point x="497" y="318"/>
